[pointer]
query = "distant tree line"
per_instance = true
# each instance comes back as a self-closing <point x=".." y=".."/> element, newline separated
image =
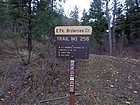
<point x="36" y="19"/>
<point x="113" y="20"/>
<point x="28" y="20"/>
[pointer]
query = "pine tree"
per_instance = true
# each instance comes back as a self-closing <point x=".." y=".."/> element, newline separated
<point x="28" y="19"/>
<point x="97" y="20"/>
<point x="75" y="15"/>
<point x="133" y="18"/>
<point x="85" y="18"/>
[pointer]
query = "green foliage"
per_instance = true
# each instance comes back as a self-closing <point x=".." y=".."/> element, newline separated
<point x="127" y="20"/>
<point x="46" y="20"/>
<point x="129" y="24"/>
<point x="120" y="22"/>
<point x="40" y="52"/>
<point x="2" y="16"/>
<point x="133" y="18"/>
<point x="93" y="41"/>
<point x="74" y="14"/>
<point x="28" y="20"/>
<point x="97" y="20"/>
<point x="85" y="18"/>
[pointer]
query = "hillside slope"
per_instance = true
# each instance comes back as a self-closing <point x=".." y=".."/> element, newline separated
<point x="100" y="80"/>
<point x="107" y="80"/>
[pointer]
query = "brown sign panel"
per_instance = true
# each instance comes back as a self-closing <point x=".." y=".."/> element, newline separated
<point x="73" y="51"/>
<point x="72" y="41"/>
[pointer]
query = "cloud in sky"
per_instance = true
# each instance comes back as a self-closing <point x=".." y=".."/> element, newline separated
<point x="81" y="4"/>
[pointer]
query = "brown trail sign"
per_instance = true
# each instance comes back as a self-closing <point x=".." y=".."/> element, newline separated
<point x="72" y="42"/>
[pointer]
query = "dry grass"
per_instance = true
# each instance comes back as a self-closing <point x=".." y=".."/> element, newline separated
<point x="109" y="80"/>
<point x="100" y="80"/>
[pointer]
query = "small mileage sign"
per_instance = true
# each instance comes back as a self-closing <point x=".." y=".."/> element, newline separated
<point x="73" y="41"/>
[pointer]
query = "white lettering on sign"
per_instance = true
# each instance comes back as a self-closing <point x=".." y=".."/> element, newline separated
<point x="84" y="38"/>
<point x="62" y="38"/>
<point x="74" y="39"/>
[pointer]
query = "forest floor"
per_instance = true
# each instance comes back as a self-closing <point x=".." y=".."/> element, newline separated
<point x="100" y="80"/>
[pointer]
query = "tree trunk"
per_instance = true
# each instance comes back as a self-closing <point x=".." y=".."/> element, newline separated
<point x="113" y="23"/>
<point x="52" y="5"/>
<point x="109" y="28"/>
<point x="137" y="3"/>
<point x="29" y="31"/>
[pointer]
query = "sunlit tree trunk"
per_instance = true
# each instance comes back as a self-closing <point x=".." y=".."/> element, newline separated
<point x="109" y="27"/>
<point x="113" y="24"/>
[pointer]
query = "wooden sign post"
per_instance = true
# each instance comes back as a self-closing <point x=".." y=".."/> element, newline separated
<point x="72" y="81"/>
<point x="72" y="42"/>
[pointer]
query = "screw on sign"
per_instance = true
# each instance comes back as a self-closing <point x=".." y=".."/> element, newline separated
<point x="72" y="42"/>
